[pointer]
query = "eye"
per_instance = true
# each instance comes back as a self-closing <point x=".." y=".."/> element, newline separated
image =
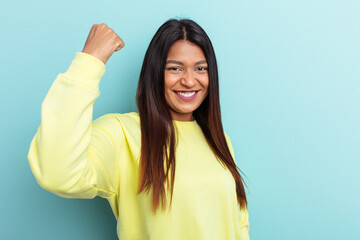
<point x="174" y="69"/>
<point x="201" y="69"/>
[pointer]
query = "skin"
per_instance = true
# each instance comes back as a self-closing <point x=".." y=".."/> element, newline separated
<point x="102" y="42"/>
<point x="185" y="70"/>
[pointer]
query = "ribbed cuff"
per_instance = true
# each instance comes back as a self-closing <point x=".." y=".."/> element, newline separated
<point x="86" y="69"/>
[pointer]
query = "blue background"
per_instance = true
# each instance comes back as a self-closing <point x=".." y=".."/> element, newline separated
<point x="290" y="97"/>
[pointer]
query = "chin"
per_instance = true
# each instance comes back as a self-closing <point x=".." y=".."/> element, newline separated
<point x="185" y="110"/>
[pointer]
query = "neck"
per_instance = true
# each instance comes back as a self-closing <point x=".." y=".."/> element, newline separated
<point x="182" y="116"/>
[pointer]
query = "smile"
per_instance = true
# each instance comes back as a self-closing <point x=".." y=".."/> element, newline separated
<point x="186" y="95"/>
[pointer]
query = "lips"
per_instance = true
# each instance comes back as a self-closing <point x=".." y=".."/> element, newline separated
<point x="187" y="95"/>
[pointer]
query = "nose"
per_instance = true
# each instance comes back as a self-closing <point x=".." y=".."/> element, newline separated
<point x="188" y="79"/>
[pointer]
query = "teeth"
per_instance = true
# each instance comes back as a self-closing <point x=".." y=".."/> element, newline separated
<point x="187" y="94"/>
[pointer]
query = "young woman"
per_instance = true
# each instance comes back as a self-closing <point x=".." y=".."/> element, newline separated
<point x="168" y="171"/>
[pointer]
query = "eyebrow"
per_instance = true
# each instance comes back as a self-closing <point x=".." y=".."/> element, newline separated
<point x="181" y="63"/>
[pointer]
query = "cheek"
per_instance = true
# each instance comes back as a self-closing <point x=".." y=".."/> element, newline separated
<point x="205" y="82"/>
<point x="168" y="84"/>
<point x="169" y="81"/>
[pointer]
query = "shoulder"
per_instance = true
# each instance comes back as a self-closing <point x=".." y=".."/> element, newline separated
<point x="131" y="118"/>
<point x="227" y="138"/>
<point x="228" y="141"/>
<point x="118" y="126"/>
<point x="117" y="122"/>
<point x="116" y="118"/>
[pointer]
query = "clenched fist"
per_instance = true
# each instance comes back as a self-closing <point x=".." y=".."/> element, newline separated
<point x="102" y="42"/>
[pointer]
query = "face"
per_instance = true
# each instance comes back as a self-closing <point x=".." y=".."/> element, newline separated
<point x="186" y="79"/>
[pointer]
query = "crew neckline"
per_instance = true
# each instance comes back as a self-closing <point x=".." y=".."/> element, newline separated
<point x="186" y="125"/>
<point x="180" y="125"/>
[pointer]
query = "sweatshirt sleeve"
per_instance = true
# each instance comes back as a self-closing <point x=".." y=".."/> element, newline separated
<point x="71" y="155"/>
<point x="243" y="212"/>
<point x="244" y="224"/>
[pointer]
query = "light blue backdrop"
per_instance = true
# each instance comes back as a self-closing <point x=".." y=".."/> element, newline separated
<point x="290" y="95"/>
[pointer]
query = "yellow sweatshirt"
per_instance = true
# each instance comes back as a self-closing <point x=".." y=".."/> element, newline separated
<point x="73" y="156"/>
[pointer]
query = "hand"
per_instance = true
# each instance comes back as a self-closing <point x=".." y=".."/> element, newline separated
<point x="102" y="42"/>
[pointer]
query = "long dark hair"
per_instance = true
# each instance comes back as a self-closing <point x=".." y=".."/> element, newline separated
<point x="158" y="141"/>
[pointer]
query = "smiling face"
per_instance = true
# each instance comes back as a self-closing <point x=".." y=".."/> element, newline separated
<point x="186" y="79"/>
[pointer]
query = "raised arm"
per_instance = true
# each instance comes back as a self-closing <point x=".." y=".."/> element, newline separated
<point x="71" y="155"/>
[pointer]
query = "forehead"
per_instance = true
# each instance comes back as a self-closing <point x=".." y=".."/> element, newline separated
<point x="185" y="51"/>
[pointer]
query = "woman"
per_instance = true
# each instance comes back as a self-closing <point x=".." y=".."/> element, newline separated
<point x="168" y="171"/>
